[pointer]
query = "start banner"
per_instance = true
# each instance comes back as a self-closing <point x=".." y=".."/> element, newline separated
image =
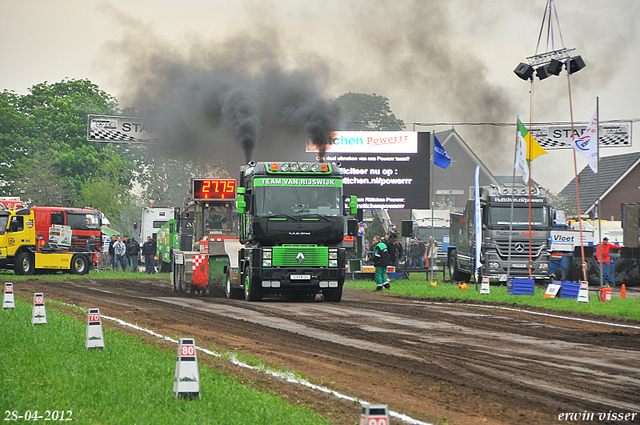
<point x="103" y="128"/>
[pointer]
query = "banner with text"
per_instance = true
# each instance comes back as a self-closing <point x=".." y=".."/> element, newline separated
<point x="559" y="136"/>
<point x="384" y="169"/>
<point x="104" y="128"/>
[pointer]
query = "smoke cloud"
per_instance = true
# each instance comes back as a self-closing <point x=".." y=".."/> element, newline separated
<point x="214" y="100"/>
<point x="263" y="86"/>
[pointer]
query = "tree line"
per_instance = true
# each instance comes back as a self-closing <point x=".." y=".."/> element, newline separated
<point x="47" y="160"/>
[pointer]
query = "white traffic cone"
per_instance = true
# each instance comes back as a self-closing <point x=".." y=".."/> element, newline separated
<point x="583" y="293"/>
<point x="39" y="313"/>
<point x="95" y="337"/>
<point x="485" y="289"/>
<point x="8" y="301"/>
<point x="377" y="414"/>
<point x="187" y="378"/>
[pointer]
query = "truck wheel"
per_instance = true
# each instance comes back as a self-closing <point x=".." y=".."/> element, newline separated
<point x="175" y="282"/>
<point x="332" y="295"/>
<point x="164" y="266"/>
<point x="24" y="263"/>
<point x="454" y="272"/>
<point x="231" y="292"/>
<point x="79" y="264"/>
<point x="252" y="289"/>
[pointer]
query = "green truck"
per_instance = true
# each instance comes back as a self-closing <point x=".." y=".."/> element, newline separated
<point x="291" y="228"/>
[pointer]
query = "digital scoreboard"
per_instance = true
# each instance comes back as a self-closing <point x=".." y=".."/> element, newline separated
<point x="213" y="189"/>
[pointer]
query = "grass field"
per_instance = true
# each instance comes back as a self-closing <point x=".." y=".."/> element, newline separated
<point x="46" y="368"/>
<point x="418" y="286"/>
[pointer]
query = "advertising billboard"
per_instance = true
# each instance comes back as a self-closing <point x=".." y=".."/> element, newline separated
<point x="384" y="169"/>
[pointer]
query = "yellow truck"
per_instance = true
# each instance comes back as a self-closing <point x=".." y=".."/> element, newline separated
<point x="19" y="248"/>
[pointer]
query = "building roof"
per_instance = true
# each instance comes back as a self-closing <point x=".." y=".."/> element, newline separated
<point x="612" y="170"/>
<point x="452" y="136"/>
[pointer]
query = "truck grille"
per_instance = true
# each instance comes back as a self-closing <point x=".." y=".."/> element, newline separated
<point x="519" y="248"/>
<point x="289" y="256"/>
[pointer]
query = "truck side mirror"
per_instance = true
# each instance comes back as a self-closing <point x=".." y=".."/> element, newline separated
<point x="241" y="204"/>
<point x="353" y="204"/>
<point x="350" y="205"/>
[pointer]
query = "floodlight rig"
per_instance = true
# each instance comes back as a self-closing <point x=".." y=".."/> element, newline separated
<point x="550" y="62"/>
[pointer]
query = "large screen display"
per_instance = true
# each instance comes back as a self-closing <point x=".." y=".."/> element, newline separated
<point x="209" y="189"/>
<point x="384" y="169"/>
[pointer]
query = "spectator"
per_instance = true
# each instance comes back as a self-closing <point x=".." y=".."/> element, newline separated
<point x="149" y="252"/>
<point x="607" y="265"/>
<point x="381" y="261"/>
<point x="432" y="253"/>
<point x="391" y="247"/>
<point x="420" y="255"/>
<point x="133" y="251"/>
<point x="413" y="254"/>
<point x="125" y="241"/>
<point x="39" y="242"/>
<point x="91" y="244"/>
<point x="120" y="251"/>
<point x="112" y="255"/>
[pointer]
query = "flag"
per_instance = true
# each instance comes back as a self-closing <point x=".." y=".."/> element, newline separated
<point x="534" y="149"/>
<point x="477" y="217"/>
<point x="521" y="161"/>
<point x="587" y="144"/>
<point x="527" y="149"/>
<point x="440" y="157"/>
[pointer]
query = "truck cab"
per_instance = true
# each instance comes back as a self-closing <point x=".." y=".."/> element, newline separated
<point x="84" y="223"/>
<point x="515" y="238"/>
<point x="20" y="251"/>
<point x="292" y="227"/>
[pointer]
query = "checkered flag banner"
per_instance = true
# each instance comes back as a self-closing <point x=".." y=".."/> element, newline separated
<point x="104" y="128"/>
<point x="559" y="136"/>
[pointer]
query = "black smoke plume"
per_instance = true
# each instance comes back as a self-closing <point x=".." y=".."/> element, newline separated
<point x="218" y="101"/>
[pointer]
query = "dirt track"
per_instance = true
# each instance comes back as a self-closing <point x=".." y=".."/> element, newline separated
<point x="433" y="361"/>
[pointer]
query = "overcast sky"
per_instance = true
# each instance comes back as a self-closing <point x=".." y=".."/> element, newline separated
<point x="437" y="61"/>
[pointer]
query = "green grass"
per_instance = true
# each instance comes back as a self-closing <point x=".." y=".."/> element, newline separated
<point x="62" y="277"/>
<point x="46" y="367"/>
<point x="420" y="287"/>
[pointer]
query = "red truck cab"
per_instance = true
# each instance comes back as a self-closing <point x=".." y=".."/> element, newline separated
<point x="84" y="223"/>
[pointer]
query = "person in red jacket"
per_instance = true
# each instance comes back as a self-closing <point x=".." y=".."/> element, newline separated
<point x="602" y="253"/>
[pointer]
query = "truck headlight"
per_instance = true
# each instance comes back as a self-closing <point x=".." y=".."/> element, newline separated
<point x="544" y="266"/>
<point x="333" y="254"/>
<point x="266" y="263"/>
<point x="266" y="254"/>
<point x="493" y="265"/>
<point x="333" y="263"/>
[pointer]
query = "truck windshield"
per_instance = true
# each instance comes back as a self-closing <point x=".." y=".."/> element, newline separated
<point x="83" y="221"/>
<point x="4" y="220"/>
<point x="501" y="217"/>
<point x="221" y="219"/>
<point x="298" y="200"/>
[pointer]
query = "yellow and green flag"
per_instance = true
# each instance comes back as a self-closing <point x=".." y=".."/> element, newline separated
<point x="527" y="149"/>
<point x="534" y="149"/>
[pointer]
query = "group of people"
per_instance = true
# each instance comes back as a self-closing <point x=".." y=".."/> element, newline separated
<point x="125" y="252"/>
<point x="388" y="251"/>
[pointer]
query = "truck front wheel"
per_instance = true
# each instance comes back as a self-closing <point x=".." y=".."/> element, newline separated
<point x="24" y="263"/>
<point x="252" y="288"/>
<point x="454" y="272"/>
<point x="332" y="295"/>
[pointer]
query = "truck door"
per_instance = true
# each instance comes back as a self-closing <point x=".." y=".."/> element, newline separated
<point x="18" y="233"/>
